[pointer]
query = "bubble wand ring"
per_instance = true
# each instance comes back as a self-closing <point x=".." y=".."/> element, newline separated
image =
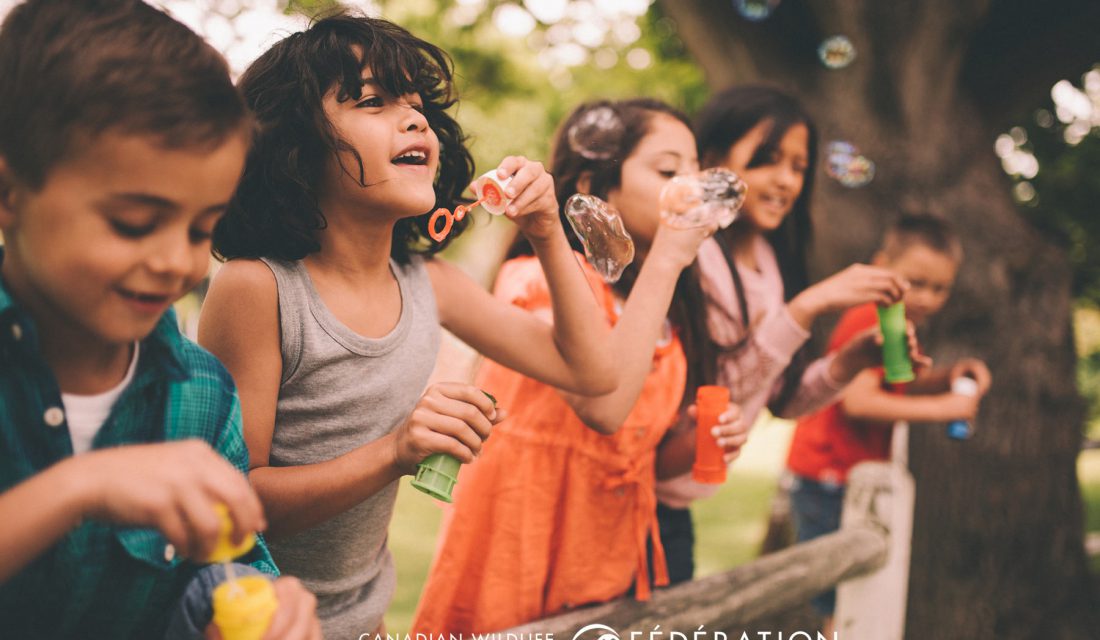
<point x="490" y="195"/>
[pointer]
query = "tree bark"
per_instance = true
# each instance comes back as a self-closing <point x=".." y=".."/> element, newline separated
<point x="998" y="539"/>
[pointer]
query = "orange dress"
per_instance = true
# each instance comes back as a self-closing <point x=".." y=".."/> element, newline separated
<point x="552" y="515"/>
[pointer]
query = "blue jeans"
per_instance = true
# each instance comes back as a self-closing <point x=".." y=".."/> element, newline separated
<point x="815" y="508"/>
<point x="678" y="539"/>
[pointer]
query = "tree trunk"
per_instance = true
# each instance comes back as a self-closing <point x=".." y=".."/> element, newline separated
<point x="998" y="536"/>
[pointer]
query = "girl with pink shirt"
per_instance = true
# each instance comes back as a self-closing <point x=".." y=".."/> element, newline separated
<point x="754" y="277"/>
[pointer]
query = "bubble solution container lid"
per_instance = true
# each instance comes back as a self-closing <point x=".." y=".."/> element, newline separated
<point x="490" y="190"/>
<point x="225" y="550"/>
<point x="243" y="608"/>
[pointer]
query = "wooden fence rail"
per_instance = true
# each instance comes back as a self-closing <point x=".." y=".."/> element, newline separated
<point x="776" y="582"/>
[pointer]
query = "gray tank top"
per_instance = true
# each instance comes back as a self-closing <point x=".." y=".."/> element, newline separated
<point x="339" y="391"/>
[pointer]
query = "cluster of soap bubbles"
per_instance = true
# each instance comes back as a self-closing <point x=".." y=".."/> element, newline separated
<point x="597" y="134"/>
<point x="755" y="10"/>
<point x="713" y="196"/>
<point x="607" y="245"/>
<point x="847" y="166"/>
<point x="836" y="52"/>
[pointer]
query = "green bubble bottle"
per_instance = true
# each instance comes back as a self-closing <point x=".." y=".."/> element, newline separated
<point x="895" y="344"/>
<point x="437" y="474"/>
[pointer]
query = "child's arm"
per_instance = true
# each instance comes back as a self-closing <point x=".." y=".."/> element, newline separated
<point x="939" y="380"/>
<point x="676" y="454"/>
<point x="636" y="333"/>
<point x="240" y="325"/>
<point x="170" y="486"/>
<point x="854" y="286"/>
<point x="866" y="400"/>
<point x="574" y="353"/>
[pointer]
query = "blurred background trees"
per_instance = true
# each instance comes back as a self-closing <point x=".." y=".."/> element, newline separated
<point x="986" y="112"/>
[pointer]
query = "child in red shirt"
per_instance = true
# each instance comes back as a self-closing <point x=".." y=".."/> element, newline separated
<point x="827" y="444"/>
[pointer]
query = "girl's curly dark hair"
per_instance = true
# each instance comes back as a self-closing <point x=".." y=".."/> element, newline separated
<point x="275" y="211"/>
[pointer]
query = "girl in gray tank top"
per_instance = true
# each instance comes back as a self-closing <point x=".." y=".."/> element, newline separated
<point x="330" y="324"/>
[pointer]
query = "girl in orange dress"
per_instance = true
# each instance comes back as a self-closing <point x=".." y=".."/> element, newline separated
<point x="559" y="508"/>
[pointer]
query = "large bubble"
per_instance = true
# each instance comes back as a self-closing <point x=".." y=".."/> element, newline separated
<point x="713" y="196"/>
<point x="844" y="164"/>
<point x="755" y="10"/>
<point x="836" y="52"/>
<point x="607" y="245"/>
<point x="597" y="134"/>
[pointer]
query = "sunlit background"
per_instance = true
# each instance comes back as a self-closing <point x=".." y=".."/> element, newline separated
<point x="523" y="65"/>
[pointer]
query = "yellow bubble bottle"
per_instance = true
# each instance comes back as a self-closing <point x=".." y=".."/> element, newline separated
<point x="243" y="607"/>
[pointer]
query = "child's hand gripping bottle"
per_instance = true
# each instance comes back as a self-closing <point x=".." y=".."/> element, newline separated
<point x="710" y="466"/>
<point x="962" y="429"/>
<point x="243" y="607"/>
<point x="438" y="473"/>
<point x="895" y="344"/>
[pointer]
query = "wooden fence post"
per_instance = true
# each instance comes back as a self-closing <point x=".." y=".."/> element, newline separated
<point x="872" y="607"/>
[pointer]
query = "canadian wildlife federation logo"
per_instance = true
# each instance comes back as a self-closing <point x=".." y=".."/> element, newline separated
<point x="596" y="632"/>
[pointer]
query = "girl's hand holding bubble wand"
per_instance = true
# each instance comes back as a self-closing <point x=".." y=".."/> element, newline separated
<point x="490" y="191"/>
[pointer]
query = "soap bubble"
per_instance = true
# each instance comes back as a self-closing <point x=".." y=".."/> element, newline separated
<point x="859" y="173"/>
<point x="844" y="164"/>
<point x="836" y="52"/>
<point x="597" y="134"/>
<point x="713" y="196"/>
<point x="607" y="245"/>
<point x="755" y="10"/>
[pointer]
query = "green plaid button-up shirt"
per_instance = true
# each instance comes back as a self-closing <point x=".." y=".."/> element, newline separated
<point x="104" y="581"/>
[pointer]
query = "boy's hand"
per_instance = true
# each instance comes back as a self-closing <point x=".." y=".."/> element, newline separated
<point x="173" y="487"/>
<point x="533" y="206"/>
<point x="975" y="369"/>
<point x="959" y="407"/>
<point x="856" y="285"/>
<point x="731" y="432"/>
<point x="295" y="619"/>
<point x="451" y="418"/>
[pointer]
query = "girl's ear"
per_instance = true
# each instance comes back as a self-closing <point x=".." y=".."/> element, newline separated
<point x="584" y="183"/>
<point x="880" y="259"/>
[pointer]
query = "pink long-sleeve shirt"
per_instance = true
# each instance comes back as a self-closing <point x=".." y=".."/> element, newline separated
<point x="753" y="359"/>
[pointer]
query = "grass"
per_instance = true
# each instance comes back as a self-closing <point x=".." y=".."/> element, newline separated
<point x="1088" y="474"/>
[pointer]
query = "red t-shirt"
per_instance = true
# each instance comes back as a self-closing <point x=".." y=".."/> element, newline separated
<point x="827" y="444"/>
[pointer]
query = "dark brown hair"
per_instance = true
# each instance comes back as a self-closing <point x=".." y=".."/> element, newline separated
<point x="921" y="229"/>
<point x="275" y="211"/>
<point x="687" y="312"/>
<point x="71" y="70"/>
<point x="724" y="120"/>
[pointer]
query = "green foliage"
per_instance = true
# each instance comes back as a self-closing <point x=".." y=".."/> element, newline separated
<point x="510" y="102"/>
<point x="1067" y="193"/>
